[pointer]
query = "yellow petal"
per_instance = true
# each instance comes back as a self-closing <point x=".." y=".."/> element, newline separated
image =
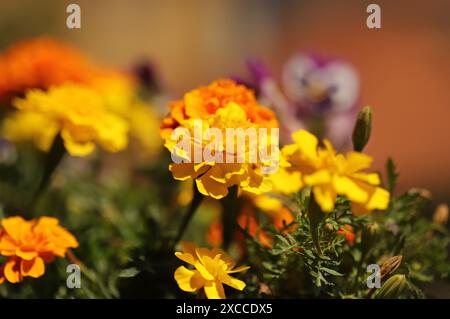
<point x="345" y="186"/>
<point x="203" y="271"/>
<point x="239" y="269"/>
<point x="379" y="199"/>
<point x="317" y="178"/>
<point x="214" y="290"/>
<point x="233" y="282"/>
<point x="76" y="148"/>
<point x="370" y="178"/>
<point x="188" y="280"/>
<point x="307" y="143"/>
<point x="182" y="171"/>
<point x="186" y="257"/>
<point x="325" y="197"/>
<point x="357" y="161"/>
<point x="210" y="187"/>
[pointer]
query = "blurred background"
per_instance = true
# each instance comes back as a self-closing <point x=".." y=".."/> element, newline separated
<point x="404" y="66"/>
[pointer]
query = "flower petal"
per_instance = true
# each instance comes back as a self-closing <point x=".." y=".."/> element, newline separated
<point x="233" y="282"/>
<point x="33" y="268"/>
<point x="188" y="280"/>
<point x="214" y="290"/>
<point x="12" y="271"/>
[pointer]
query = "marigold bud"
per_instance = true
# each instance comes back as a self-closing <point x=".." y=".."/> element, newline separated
<point x="392" y="288"/>
<point x="440" y="215"/>
<point x="390" y="265"/>
<point x="363" y="127"/>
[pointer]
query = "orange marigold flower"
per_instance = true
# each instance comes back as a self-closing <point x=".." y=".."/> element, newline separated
<point x="28" y="245"/>
<point x="347" y="231"/>
<point x="206" y="100"/>
<point x="41" y="63"/>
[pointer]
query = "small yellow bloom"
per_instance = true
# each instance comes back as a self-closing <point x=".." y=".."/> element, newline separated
<point x="212" y="269"/>
<point x="76" y="112"/>
<point x="331" y="174"/>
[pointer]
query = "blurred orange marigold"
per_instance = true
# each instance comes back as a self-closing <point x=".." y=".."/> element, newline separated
<point x="206" y="100"/>
<point x="41" y="63"/>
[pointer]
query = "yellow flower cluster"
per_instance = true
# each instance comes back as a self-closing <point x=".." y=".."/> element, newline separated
<point x="214" y="178"/>
<point x="78" y="113"/>
<point x="212" y="269"/>
<point x="330" y="174"/>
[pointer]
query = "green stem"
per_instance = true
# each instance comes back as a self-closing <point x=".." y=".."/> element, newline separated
<point x="52" y="160"/>
<point x="315" y="216"/>
<point x="195" y="203"/>
<point x="89" y="274"/>
<point x="229" y="215"/>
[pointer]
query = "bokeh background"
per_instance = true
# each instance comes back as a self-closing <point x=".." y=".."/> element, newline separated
<point x="404" y="66"/>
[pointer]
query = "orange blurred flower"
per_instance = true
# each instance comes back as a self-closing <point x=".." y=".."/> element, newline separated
<point x="247" y="221"/>
<point x="347" y="231"/>
<point x="41" y="63"/>
<point x="28" y="245"/>
<point x="206" y="100"/>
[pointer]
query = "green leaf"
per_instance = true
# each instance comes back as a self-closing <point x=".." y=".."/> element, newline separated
<point x="129" y="272"/>
<point x="331" y="271"/>
<point x="392" y="175"/>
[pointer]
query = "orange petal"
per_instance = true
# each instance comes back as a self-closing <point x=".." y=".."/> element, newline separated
<point x="33" y="268"/>
<point x="12" y="271"/>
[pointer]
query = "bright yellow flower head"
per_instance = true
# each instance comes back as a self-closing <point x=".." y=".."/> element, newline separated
<point x="214" y="177"/>
<point x="330" y="174"/>
<point x="212" y="269"/>
<point x="78" y="113"/>
<point x="28" y="245"/>
<point x="222" y="104"/>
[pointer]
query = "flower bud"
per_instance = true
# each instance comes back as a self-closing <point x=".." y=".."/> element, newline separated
<point x="392" y="288"/>
<point x="363" y="127"/>
<point x="425" y="193"/>
<point x="440" y="215"/>
<point x="389" y="266"/>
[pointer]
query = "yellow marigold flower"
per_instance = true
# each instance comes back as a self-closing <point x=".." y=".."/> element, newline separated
<point x="41" y="63"/>
<point x="330" y="174"/>
<point x="222" y="104"/>
<point x="213" y="178"/>
<point x="28" y="245"/>
<point x="80" y="115"/>
<point x="211" y="269"/>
